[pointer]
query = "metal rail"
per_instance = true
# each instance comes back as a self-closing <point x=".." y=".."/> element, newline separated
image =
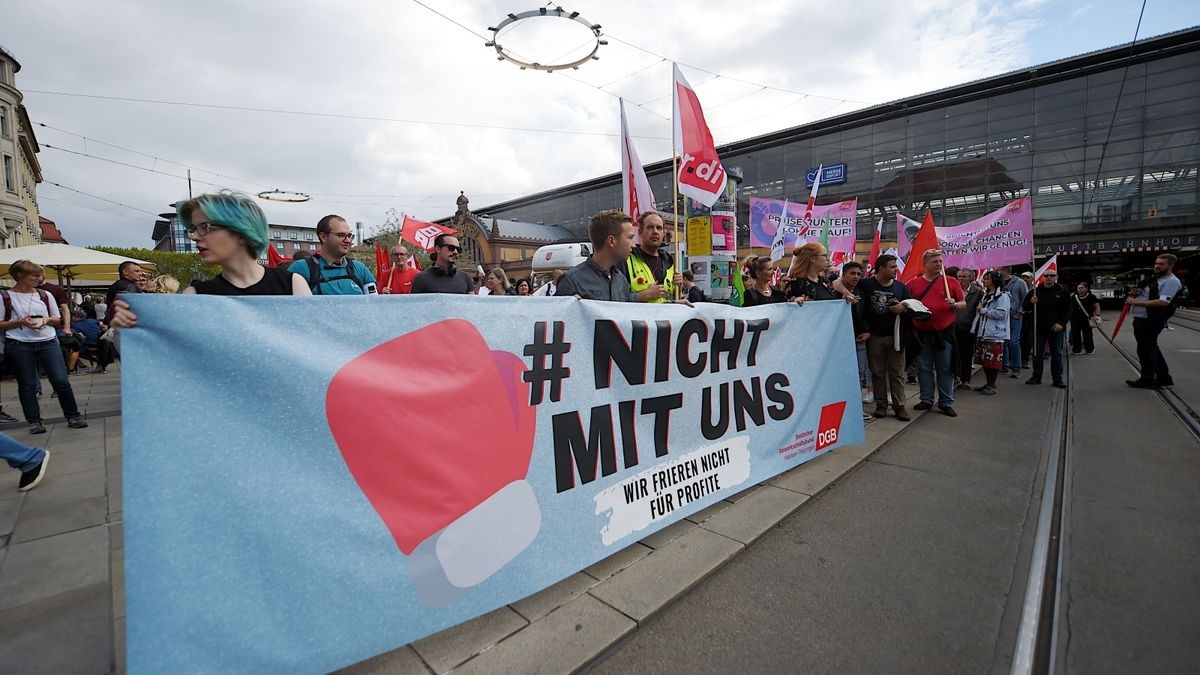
<point x="1181" y="408"/>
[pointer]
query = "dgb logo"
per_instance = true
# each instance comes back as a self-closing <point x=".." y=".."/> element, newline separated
<point x="830" y="424"/>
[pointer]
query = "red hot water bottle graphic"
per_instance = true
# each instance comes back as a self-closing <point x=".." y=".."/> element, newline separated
<point x="443" y="453"/>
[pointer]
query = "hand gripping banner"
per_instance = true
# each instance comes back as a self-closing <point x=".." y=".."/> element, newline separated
<point x="313" y="481"/>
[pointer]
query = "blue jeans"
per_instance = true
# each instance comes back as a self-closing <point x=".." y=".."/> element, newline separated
<point x="864" y="366"/>
<point x="18" y="455"/>
<point x="1054" y="341"/>
<point x="1012" y="346"/>
<point x="936" y="365"/>
<point x="25" y="358"/>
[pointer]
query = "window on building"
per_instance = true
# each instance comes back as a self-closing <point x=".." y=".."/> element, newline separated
<point x="312" y="247"/>
<point x="4" y="121"/>
<point x="10" y="175"/>
<point x="308" y="236"/>
<point x="3" y="72"/>
<point x="279" y="246"/>
<point x="293" y="235"/>
<point x="275" y="234"/>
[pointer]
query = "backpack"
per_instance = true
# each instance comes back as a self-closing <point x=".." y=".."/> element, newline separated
<point x="1162" y="313"/>
<point x="8" y="303"/>
<point x="315" y="280"/>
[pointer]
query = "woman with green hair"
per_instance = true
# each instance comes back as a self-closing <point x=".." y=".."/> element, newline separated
<point x="229" y="230"/>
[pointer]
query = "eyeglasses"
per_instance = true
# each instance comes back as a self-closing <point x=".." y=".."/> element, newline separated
<point x="344" y="236"/>
<point x="202" y="229"/>
<point x="452" y="247"/>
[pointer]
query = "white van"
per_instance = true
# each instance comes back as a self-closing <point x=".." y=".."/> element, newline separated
<point x="560" y="256"/>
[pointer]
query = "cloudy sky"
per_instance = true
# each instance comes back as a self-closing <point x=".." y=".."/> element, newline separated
<point x="391" y="105"/>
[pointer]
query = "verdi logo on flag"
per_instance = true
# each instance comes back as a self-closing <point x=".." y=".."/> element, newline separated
<point x="421" y="233"/>
<point x="701" y="175"/>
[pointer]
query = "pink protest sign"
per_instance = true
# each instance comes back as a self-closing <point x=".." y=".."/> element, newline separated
<point x="1002" y="237"/>
<point x="765" y="217"/>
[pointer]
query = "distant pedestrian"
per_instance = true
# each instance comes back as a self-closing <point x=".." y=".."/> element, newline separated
<point x="129" y="273"/>
<point x="1152" y="306"/>
<point x="1017" y="290"/>
<point x="963" y="320"/>
<point x="1053" y="303"/>
<point x="163" y="284"/>
<point x="497" y="283"/>
<point x="524" y="287"/>
<point x="30" y="461"/>
<point x="990" y="329"/>
<point x="1085" y="310"/>
<point x="883" y="293"/>
<point x="935" y="362"/>
<point x="692" y="292"/>
<point x="399" y="278"/>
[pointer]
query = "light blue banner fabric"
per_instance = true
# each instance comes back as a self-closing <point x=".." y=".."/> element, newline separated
<point x="313" y="481"/>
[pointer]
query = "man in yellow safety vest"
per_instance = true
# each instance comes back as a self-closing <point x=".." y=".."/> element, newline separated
<point x="652" y="274"/>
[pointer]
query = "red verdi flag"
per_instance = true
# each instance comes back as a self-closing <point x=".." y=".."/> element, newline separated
<point x="381" y="260"/>
<point x="421" y="233"/>
<point x="701" y="175"/>
<point x="638" y="196"/>
<point x="926" y="240"/>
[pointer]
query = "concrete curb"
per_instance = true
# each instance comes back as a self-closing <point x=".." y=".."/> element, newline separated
<point x="572" y="623"/>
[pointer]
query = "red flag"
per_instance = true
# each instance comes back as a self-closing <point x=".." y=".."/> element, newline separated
<point x="701" y="175"/>
<point x="381" y="260"/>
<point x="274" y="259"/>
<point x="412" y="262"/>
<point x="1121" y="320"/>
<point x="1051" y="264"/>
<point x="421" y="233"/>
<point x="638" y="196"/>
<point x="925" y="241"/>
<point x="875" y="246"/>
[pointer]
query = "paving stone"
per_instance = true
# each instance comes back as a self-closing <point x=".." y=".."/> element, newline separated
<point x="646" y="587"/>
<point x="42" y="518"/>
<point x="735" y="498"/>
<point x="668" y="533"/>
<point x="116" y="534"/>
<point x="403" y="661"/>
<point x="78" y="485"/>
<point x="8" y="514"/>
<point x="63" y="463"/>
<point x="618" y="561"/>
<point x="449" y="648"/>
<point x="815" y="475"/>
<point x="43" y="568"/>
<point x="563" y="641"/>
<point x="119" y="645"/>
<point x="709" y="511"/>
<point x="117" y="565"/>
<point x="9" y="480"/>
<point x="543" y="602"/>
<point x="68" y="633"/>
<point x="755" y="515"/>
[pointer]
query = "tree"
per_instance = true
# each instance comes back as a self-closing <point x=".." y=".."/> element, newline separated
<point x="185" y="267"/>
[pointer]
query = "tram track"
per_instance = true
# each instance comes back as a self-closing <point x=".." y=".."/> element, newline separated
<point x="1182" y="409"/>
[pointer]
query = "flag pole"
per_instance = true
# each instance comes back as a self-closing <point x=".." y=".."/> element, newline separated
<point x="675" y="209"/>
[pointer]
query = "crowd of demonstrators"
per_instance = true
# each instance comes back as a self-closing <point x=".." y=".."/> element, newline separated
<point x="398" y="280"/>
<point x="1085" y="310"/>
<point x="1050" y="305"/>
<point x="883" y="296"/>
<point x="990" y="329"/>
<point x="1151" y="306"/>
<point x="651" y="268"/>
<point x="850" y="281"/>
<point x="30" y="342"/>
<point x="443" y="275"/>
<point x="1026" y="323"/>
<point x="935" y="362"/>
<point x="1017" y="290"/>
<point x="964" y="319"/>
<point x="760" y="291"/>
<point x="332" y="271"/>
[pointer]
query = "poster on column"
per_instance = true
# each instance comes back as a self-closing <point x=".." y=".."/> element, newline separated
<point x="1002" y="237"/>
<point x="766" y="214"/>
<point x="301" y="500"/>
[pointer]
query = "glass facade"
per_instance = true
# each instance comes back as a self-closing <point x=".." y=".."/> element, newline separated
<point x="1099" y="150"/>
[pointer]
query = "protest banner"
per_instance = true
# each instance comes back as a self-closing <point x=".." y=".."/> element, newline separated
<point x="312" y="481"/>
<point x="1002" y="237"/>
<point x="765" y="219"/>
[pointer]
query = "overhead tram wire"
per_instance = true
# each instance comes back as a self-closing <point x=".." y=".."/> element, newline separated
<point x="1116" y="107"/>
<point x="43" y="198"/>
<point x="103" y="199"/>
<point x="311" y="113"/>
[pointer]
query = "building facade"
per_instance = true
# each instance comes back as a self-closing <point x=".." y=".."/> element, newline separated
<point x="1107" y="144"/>
<point x="171" y="235"/>
<point x="21" y="171"/>
<point x="489" y="241"/>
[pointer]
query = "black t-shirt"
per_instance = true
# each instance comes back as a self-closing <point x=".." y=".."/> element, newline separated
<point x="877" y="299"/>
<point x="1089" y="303"/>
<point x="754" y="298"/>
<point x="813" y="290"/>
<point x="276" y="281"/>
<point x="429" y="281"/>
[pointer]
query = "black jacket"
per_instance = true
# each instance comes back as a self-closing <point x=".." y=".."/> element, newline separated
<point x="1054" y="305"/>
